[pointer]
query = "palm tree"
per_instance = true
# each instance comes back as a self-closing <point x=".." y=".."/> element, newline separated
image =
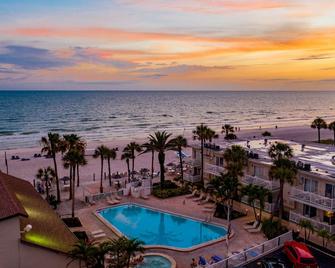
<point x="283" y="170"/>
<point x="127" y="156"/>
<point x="81" y="161"/>
<point x="161" y="143"/>
<point x="148" y="147"/>
<point x="250" y="191"/>
<point x="179" y="143"/>
<point x="228" y="130"/>
<point x="203" y="133"/>
<point x="110" y="154"/>
<point x="319" y="123"/>
<point x="132" y="246"/>
<point x="331" y="127"/>
<point x="51" y="146"/>
<point x="101" y="152"/>
<point x="307" y="226"/>
<point x="235" y="159"/>
<point x="46" y="175"/>
<point x="72" y="159"/>
<point x="132" y="148"/>
<point x="262" y="195"/>
<point x="325" y="235"/>
<point x="83" y="251"/>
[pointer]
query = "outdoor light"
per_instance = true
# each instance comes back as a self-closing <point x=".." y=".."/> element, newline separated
<point x="27" y="228"/>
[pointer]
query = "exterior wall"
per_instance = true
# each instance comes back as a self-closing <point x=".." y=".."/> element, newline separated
<point x="33" y="256"/>
<point x="10" y="242"/>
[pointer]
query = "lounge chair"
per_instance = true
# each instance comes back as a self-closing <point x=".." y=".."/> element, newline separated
<point x="202" y="202"/>
<point x="257" y="230"/>
<point x="199" y="198"/>
<point x="192" y="194"/>
<point x="203" y="262"/>
<point x="101" y="235"/>
<point x="99" y="231"/>
<point x="111" y="201"/>
<point x="216" y="258"/>
<point x="252" y="226"/>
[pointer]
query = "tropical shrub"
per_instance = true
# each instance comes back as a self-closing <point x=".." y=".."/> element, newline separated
<point x="166" y="193"/>
<point x="266" y="134"/>
<point x="272" y="228"/>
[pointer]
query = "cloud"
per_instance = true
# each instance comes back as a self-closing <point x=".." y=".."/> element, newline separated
<point x="154" y="76"/>
<point x="31" y="58"/>
<point x="315" y="57"/>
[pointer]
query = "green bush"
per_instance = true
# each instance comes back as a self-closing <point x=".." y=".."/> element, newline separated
<point x="272" y="229"/>
<point x="266" y="134"/>
<point x="167" y="185"/>
<point x="166" y="193"/>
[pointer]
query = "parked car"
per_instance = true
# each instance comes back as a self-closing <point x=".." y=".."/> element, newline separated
<point x="272" y="263"/>
<point x="299" y="255"/>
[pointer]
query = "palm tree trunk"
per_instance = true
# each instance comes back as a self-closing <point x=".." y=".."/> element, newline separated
<point x="254" y="209"/>
<point x="152" y="163"/>
<point x="77" y="175"/>
<point x="73" y="190"/>
<point x="132" y="166"/>
<point x="109" y="171"/>
<point x="281" y="204"/>
<point x="70" y="193"/>
<point x="47" y="189"/>
<point x="101" y="174"/>
<point x="334" y="136"/>
<point x="57" y="179"/>
<point x="161" y="159"/>
<point x="128" y="168"/>
<point x="319" y="136"/>
<point x="202" y="162"/>
<point x="181" y="166"/>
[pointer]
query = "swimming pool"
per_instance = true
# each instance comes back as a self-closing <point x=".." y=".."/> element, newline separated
<point x="157" y="228"/>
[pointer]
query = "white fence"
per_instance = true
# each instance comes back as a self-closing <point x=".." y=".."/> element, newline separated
<point x="213" y="169"/>
<point x="268" y="184"/>
<point x="312" y="198"/>
<point x="254" y="253"/>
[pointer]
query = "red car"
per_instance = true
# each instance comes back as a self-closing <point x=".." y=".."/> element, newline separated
<point x="299" y="255"/>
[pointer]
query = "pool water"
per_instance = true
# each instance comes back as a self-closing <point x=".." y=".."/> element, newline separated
<point x="154" y="227"/>
<point x="154" y="261"/>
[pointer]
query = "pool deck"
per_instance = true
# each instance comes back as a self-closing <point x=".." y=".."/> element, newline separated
<point x="187" y="207"/>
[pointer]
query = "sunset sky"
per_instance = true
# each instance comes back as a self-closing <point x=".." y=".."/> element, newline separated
<point x="167" y="44"/>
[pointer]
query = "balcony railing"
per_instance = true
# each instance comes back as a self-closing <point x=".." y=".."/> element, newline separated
<point x="317" y="224"/>
<point x="191" y="178"/>
<point x="314" y="199"/>
<point x="267" y="206"/>
<point x="213" y="169"/>
<point x="270" y="185"/>
<point x="193" y="162"/>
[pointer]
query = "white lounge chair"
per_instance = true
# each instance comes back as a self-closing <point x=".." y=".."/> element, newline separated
<point x="192" y="194"/>
<point x="99" y="235"/>
<point x="202" y="195"/>
<point x="99" y="231"/>
<point x="112" y="201"/>
<point x="253" y="226"/>
<point x="257" y="230"/>
<point x="202" y="202"/>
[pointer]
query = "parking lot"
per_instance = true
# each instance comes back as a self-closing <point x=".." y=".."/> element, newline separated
<point x="324" y="260"/>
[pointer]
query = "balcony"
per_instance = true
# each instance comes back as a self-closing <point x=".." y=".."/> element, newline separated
<point x="270" y="185"/>
<point x="191" y="178"/>
<point x="193" y="162"/>
<point x="267" y="206"/>
<point x="213" y="169"/>
<point x="314" y="199"/>
<point x="318" y="224"/>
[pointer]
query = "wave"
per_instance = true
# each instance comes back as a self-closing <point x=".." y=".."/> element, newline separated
<point x="29" y="132"/>
<point x="7" y="133"/>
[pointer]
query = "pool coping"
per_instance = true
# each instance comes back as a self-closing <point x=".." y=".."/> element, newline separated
<point x="189" y="249"/>
<point x="172" y="260"/>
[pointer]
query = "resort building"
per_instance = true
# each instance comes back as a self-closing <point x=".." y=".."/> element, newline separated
<point x="311" y="197"/>
<point x="32" y="234"/>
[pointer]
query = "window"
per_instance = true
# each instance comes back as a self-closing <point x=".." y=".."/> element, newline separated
<point x="330" y="190"/>
<point x="310" y="185"/>
<point x="219" y="161"/>
<point x="309" y="211"/>
<point x="293" y="252"/>
<point x="258" y="171"/>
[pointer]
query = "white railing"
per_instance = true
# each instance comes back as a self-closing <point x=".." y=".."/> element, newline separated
<point x="317" y="224"/>
<point x="254" y="253"/>
<point x="317" y="200"/>
<point x="213" y="169"/>
<point x="268" y="184"/>
<point x="193" y="162"/>
<point x="191" y="178"/>
<point x="267" y="206"/>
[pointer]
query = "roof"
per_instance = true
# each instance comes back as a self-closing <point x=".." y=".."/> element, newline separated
<point x="18" y="197"/>
<point x="320" y="157"/>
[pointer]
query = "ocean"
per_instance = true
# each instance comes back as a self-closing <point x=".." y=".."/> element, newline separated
<point x="107" y="115"/>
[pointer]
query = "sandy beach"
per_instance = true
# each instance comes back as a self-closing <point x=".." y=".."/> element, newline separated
<point x="28" y="169"/>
